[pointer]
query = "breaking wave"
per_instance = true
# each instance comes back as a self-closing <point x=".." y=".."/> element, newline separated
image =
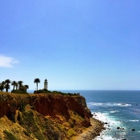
<point x="108" y="104"/>
<point x="134" y="120"/>
<point x="114" y="111"/>
<point x="111" y="124"/>
<point x="104" y="138"/>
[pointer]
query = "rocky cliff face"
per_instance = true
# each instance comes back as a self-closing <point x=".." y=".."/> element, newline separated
<point x="42" y="116"/>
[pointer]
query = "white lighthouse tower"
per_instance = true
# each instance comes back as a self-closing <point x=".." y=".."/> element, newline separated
<point x="46" y="84"/>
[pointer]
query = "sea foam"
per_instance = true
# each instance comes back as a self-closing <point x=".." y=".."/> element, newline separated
<point x="111" y="124"/>
<point x="109" y="104"/>
<point x="134" y="120"/>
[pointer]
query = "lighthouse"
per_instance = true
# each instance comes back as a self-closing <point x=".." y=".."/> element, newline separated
<point x="45" y="84"/>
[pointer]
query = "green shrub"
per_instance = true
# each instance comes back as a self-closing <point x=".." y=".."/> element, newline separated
<point x="22" y="106"/>
<point x="71" y="133"/>
<point x="26" y="133"/>
<point x="19" y="92"/>
<point x="9" y="135"/>
<point x="54" y="92"/>
<point x="42" y="91"/>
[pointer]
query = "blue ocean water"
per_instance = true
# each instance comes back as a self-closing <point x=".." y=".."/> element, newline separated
<point x="118" y="109"/>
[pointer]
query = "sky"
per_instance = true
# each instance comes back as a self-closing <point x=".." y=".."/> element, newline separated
<point x="74" y="44"/>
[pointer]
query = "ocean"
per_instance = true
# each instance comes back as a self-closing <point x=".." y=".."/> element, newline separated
<point x="119" y="110"/>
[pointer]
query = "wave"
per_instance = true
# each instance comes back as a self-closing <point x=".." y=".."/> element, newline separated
<point x="114" y="111"/>
<point x="106" y="118"/>
<point x="111" y="123"/>
<point x="133" y="120"/>
<point x="104" y="138"/>
<point x="109" y="104"/>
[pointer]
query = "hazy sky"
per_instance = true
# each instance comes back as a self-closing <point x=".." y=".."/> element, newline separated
<point x="75" y="44"/>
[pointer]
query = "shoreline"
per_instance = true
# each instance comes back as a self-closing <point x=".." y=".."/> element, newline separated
<point x="91" y="132"/>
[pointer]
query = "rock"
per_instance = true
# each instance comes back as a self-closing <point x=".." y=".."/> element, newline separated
<point x="132" y="129"/>
<point x="118" y="127"/>
<point x="122" y="128"/>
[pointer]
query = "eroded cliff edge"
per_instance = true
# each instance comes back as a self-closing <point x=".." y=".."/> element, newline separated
<point x="42" y="116"/>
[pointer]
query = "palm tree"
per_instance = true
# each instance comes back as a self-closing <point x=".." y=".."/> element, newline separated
<point x="20" y="83"/>
<point x="14" y="83"/>
<point x="7" y="81"/>
<point x="2" y="86"/>
<point x="7" y="86"/>
<point x="26" y="87"/>
<point x="3" y="82"/>
<point x="37" y="80"/>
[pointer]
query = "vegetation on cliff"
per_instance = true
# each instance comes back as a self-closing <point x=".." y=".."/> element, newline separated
<point x="18" y="87"/>
<point x="42" y="116"/>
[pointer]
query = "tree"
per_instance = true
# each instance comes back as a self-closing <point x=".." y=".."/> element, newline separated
<point x="7" y="81"/>
<point x="14" y="84"/>
<point x="26" y="87"/>
<point x="37" y="80"/>
<point x="7" y="86"/>
<point x="22" y="88"/>
<point x="20" y="83"/>
<point x="2" y="86"/>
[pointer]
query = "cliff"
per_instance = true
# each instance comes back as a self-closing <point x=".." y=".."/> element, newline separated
<point x="42" y="116"/>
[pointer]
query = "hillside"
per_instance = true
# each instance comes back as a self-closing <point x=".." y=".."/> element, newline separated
<point x="42" y="116"/>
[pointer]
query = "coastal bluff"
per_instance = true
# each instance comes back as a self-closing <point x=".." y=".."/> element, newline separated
<point x="43" y="116"/>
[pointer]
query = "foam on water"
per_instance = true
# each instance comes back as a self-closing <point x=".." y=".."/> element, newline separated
<point x="114" y="111"/>
<point x="104" y="117"/>
<point x="105" y="138"/>
<point x="118" y="109"/>
<point x="108" y="104"/>
<point x="111" y="124"/>
<point x="134" y="120"/>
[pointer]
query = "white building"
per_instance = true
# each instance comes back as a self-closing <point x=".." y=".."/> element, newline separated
<point x="46" y="84"/>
